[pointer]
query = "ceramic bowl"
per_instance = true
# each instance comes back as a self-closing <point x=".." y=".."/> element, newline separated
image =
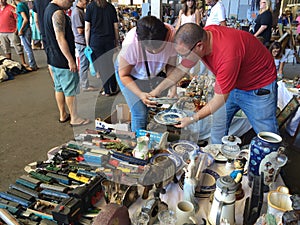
<point x="279" y="202"/>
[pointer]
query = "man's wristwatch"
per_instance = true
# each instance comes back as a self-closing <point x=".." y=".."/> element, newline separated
<point x="192" y="119"/>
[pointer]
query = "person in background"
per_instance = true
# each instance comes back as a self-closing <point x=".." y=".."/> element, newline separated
<point x="24" y="31"/>
<point x="152" y="41"/>
<point x="188" y="14"/>
<point x="102" y="35"/>
<point x="298" y="27"/>
<point x="279" y="58"/>
<point x="8" y="31"/>
<point x="263" y="22"/>
<point x="77" y="19"/>
<point x="61" y="58"/>
<point x="36" y="35"/>
<point x="245" y="73"/>
<point x="216" y="14"/>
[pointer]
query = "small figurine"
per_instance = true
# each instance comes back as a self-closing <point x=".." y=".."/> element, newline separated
<point x="237" y="176"/>
<point x="190" y="183"/>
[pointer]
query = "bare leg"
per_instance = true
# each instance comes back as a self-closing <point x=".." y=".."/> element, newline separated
<point x="50" y="71"/>
<point x="8" y="55"/>
<point x="22" y="59"/>
<point x="72" y="106"/>
<point x="60" y="100"/>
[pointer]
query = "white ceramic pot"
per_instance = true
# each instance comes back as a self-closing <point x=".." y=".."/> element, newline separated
<point x="279" y="201"/>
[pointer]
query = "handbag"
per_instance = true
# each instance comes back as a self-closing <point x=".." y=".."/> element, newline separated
<point x="88" y="53"/>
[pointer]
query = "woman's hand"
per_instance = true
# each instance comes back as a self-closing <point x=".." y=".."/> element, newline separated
<point x="145" y="99"/>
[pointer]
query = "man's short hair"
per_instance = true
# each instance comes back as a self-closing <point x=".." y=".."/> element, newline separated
<point x="189" y="34"/>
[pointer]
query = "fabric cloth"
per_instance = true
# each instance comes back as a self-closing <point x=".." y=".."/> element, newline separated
<point x="26" y="41"/>
<point x="8" y="19"/>
<point x="83" y="66"/>
<point x="7" y="38"/>
<point x="298" y="27"/>
<point x="54" y="55"/>
<point x="217" y="14"/>
<point x="22" y="7"/>
<point x="65" y="81"/>
<point x="187" y="19"/>
<point x="102" y="42"/>
<point x="278" y="61"/>
<point x="264" y="19"/>
<point x="77" y="19"/>
<point x="243" y="64"/>
<point x="132" y="53"/>
<point x="39" y="7"/>
<point x="36" y="35"/>
<point x="102" y="25"/>
<point x="259" y="109"/>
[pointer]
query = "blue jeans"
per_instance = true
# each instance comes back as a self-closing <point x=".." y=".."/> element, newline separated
<point x="260" y="108"/>
<point x="139" y="111"/>
<point x="83" y="66"/>
<point x="26" y="41"/>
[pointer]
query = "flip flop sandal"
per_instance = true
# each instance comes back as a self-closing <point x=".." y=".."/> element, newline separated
<point x="83" y="122"/>
<point x="68" y="117"/>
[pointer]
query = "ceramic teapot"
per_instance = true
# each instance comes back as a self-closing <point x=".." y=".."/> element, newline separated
<point x="141" y="150"/>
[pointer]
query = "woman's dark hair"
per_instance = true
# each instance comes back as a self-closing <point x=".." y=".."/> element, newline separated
<point x="185" y="7"/>
<point x="276" y="45"/>
<point x="151" y="31"/>
<point x="101" y="3"/>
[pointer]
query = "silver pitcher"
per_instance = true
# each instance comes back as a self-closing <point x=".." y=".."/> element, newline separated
<point x="223" y="206"/>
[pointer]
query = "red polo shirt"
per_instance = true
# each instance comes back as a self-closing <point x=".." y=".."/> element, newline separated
<point x="238" y="60"/>
<point x="8" y="23"/>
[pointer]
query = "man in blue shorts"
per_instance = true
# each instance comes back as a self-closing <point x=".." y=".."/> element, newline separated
<point x="61" y="58"/>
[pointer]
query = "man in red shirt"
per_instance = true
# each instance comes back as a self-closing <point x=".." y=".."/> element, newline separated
<point x="244" y="69"/>
<point x="8" y="31"/>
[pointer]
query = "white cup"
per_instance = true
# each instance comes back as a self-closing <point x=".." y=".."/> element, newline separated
<point x="185" y="213"/>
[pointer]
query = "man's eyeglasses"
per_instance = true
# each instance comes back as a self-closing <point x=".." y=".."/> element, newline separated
<point x="191" y="49"/>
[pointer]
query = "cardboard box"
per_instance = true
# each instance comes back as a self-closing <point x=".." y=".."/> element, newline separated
<point x="118" y="120"/>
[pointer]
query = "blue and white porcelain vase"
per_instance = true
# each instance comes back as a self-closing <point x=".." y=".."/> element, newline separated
<point x="261" y="145"/>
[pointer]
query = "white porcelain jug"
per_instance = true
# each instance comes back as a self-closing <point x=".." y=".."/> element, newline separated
<point x="223" y="206"/>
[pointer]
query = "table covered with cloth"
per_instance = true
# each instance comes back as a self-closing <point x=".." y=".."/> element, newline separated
<point x="284" y="96"/>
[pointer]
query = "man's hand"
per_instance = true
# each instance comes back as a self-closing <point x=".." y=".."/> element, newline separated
<point x="145" y="99"/>
<point x="72" y="66"/>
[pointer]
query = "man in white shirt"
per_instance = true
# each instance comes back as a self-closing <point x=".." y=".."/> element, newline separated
<point x="216" y="14"/>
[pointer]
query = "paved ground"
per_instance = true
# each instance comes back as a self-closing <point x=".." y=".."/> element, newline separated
<point x="29" y="121"/>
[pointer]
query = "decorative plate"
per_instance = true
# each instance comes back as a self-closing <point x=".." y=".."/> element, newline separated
<point x="208" y="184"/>
<point x="215" y="151"/>
<point x="169" y="117"/>
<point x="164" y="100"/>
<point x="182" y="146"/>
<point x="176" y="159"/>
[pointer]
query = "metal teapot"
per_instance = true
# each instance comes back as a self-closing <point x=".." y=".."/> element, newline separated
<point x="223" y="206"/>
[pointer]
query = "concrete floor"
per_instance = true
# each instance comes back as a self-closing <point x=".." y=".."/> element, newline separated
<point x="29" y="122"/>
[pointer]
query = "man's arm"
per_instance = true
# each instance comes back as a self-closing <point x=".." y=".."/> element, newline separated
<point x="25" y="21"/>
<point x="175" y="74"/>
<point x="124" y="73"/>
<point x="59" y="21"/>
<point x="213" y="105"/>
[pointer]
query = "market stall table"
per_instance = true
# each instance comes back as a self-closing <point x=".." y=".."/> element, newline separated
<point x="284" y="96"/>
<point x="174" y="194"/>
